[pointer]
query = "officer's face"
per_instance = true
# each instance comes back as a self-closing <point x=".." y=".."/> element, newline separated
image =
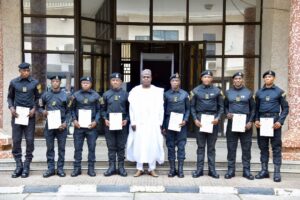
<point x="207" y="79"/>
<point x="146" y="80"/>
<point x="238" y="81"/>
<point x="175" y="83"/>
<point x="115" y="83"/>
<point x="269" y="79"/>
<point x="86" y="85"/>
<point x="55" y="83"/>
<point x="24" y="73"/>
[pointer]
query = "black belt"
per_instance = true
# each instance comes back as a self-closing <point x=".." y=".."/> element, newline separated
<point x="207" y="112"/>
<point x="268" y="114"/>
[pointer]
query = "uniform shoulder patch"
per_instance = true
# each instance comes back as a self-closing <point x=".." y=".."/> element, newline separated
<point x="101" y="100"/>
<point x="39" y="88"/>
<point x="71" y="101"/>
<point x="283" y="94"/>
<point x="191" y="95"/>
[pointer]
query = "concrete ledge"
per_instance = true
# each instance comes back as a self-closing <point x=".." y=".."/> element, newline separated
<point x="256" y="191"/>
<point x="41" y="189"/>
<point x="12" y="190"/>
<point x="77" y="189"/>
<point x="181" y="189"/>
<point x="217" y="190"/>
<point x="158" y="189"/>
<point x="287" y="192"/>
<point x="113" y="188"/>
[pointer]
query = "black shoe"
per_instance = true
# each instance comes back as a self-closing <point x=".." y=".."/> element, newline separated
<point x="76" y="172"/>
<point x="61" y="173"/>
<point x="248" y="175"/>
<point x="91" y="173"/>
<point x="172" y="171"/>
<point x="19" y="169"/>
<point x="121" y="169"/>
<point x="48" y="173"/>
<point x="26" y="169"/>
<point x="111" y="170"/>
<point x="180" y="169"/>
<point x="197" y="173"/>
<point x="230" y="174"/>
<point x="213" y="173"/>
<point x="277" y="176"/>
<point x="264" y="173"/>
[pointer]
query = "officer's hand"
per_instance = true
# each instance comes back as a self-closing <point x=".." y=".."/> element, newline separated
<point x="183" y="123"/>
<point x="164" y="131"/>
<point x="106" y="122"/>
<point x="248" y="126"/>
<point x="277" y="125"/>
<point x="92" y="125"/>
<point x="229" y="116"/>
<point x="13" y="112"/>
<point x="45" y="113"/>
<point x="257" y="124"/>
<point x="197" y="123"/>
<point x="124" y="122"/>
<point x="215" y="122"/>
<point x="76" y="124"/>
<point x="62" y="126"/>
<point x="31" y="112"/>
<point x="133" y="127"/>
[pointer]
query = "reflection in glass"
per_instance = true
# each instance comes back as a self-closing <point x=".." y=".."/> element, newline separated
<point x="133" y="10"/>
<point x="54" y="44"/>
<point x="205" y="11"/>
<point x="169" y="33"/>
<point x="129" y="32"/>
<point x="196" y="33"/>
<point x="169" y="11"/>
<point x="243" y="10"/>
<point x="96" y="9"/>
<point x="52" y="7"/>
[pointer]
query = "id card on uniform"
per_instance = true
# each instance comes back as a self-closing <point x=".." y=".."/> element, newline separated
<point x="22" y="118"/>
<point x="115" y="121"/>
<point x="239" y="123"/>
<point x="266" y="127"/>
<point x="206" y="123"/>
<point x="175" y="120"/>
<point x="84" y="118"/>
<point x="54" y="119"/>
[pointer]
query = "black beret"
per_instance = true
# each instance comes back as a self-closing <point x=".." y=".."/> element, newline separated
<point x="176" y="75"/>
<point x="116" y="75"/>
<point x="238" y="74"/>
<point x="86" y="78"/>
<point x="206" y="72"/>
<point x="55" y="77"/>
<point x="269" y="72"/>
<point x="24" y="65"/>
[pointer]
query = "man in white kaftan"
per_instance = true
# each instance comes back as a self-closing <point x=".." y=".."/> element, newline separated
<point x="145" y="141"/>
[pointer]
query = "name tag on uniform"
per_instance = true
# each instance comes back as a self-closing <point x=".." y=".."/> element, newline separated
<point x="86" y="100"/>
<point x="267" y="98"/>
<point x="206" y="96"/>
<point x="116" y="97"/>
<point x="53" y="103"/>
<point x="175" y="99"/>
<point x="24" y="89"/>
<point x="238" y="98"/>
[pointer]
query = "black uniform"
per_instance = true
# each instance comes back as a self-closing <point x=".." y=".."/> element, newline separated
<point x="115" y="101"/>
<point x="239" y="101"/>
<point x="271" y="103"/>
<point x="50" y="101"/>
<point x="86" y="100"/>
<point x="206" y="99"/>
<point x="23" y="93"/>
<point x="177" y="102"/>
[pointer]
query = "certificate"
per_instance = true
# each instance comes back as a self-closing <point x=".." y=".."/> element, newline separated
<point x="115" y="121"/>
<point x="239" y="122"/>
<point x="84" y="118"/>
<point x="54" y="119"/>
<point x="22" y="118"/>
<point x="175" y="120"/>
<point x="266" y="127"/>
<point x="206" y="123"/>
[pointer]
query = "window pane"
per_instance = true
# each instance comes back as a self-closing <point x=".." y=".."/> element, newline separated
<point x="91" y="46"/>
<point x="206" y="11"/>
<point x="95" y="30"/>
<point x="169" y="11"/>
<point x="96" y="9"/>
<point x="243" y="10"/>
<point x="196" y="33"/>
<point x="49" y="43"/>
<point x="50" y="26"/>
<point x="133" y="10"/>
<point x="173" y="33"/>
<point x="49" y="7"/>
<point x="125" y="32"/>
<point x="242" y="40"/>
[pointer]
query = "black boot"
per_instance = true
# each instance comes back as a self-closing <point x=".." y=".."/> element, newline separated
<point x="277" y="176"/>
<point x="172" y="171"/>
<point x="61" y="172"/>
<point x="76" y="172"/>
<point x="212" y="173"/>
<point x="91" y="170"/>
<point x="111" y="170"/>
<point x="230" y="173"/>
<point x="247" y="174"/>
<point x="199" y="171"/>
<point x="264" y="173"/>
<point x="49" y="173"/>
<point x="26" y="169"/>
<point x="18" y="170"/>
<point x="180" y="169"/>
<point x="121" y="169"/>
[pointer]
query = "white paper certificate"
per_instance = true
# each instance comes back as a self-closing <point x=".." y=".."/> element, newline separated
<point x="266" y="127"/>
<point x="115" y="121"/>
<point x="239" y="122"/>
<point x="54" y="119"/>
<point x="175" y="120"/>
<point x="206" y="122"/>
<point x="22" y="118"/>
<point x="84" y="118"/>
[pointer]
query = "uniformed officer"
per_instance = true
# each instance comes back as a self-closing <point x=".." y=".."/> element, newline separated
<point x="85" y="101"/>
<point x="270" y="103"/>
<point x="55" y="100"/>
<point x="206" y="99"/>
<point x="115" y="100"/>
<point x="24" y="91"/>
<point x="176" y="100"/>
<point x="239" y="100"/>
